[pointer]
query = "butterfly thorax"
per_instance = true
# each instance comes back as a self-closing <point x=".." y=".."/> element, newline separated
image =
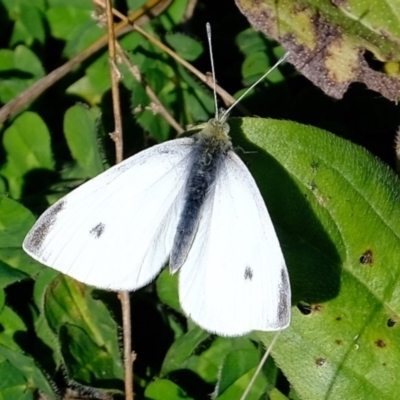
<point x="215" y="134"/>
<point x="210" y="148"/>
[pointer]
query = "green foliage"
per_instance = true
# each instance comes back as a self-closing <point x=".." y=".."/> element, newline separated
<point x="21" y="68"/>
<point x="186" y="47"/>
<point x="84" y="147"/>
<point x="27" y="150"/>
<point x="335" y="208"/>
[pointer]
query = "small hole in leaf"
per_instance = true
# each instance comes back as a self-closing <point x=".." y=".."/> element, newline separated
<point x="380" y="343"/>
<point x="320" y="361"/>
<point x="391" y="323"/>
<point x="373" y="62"/>
<point x="367" y="257"/>
<point x="304" y="308"/>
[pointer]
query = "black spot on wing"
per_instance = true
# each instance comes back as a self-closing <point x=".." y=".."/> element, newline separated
<point x="97" y="230"/>
<point x="43" y="226"/>
<point x="248" y="274"/>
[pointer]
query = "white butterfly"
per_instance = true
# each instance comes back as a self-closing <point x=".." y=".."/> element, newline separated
<point x="189" y="202"/>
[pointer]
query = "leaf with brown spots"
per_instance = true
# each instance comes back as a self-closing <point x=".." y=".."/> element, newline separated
<point x="331" y="42"/>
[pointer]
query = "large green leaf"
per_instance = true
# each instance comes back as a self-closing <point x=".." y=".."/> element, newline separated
<point x="336" y="211"/>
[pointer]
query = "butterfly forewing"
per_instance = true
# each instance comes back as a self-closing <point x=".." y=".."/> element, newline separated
<point x="116" y="231"/>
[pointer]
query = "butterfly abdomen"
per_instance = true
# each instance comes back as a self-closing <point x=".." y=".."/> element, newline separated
<point x="207" y="156"/>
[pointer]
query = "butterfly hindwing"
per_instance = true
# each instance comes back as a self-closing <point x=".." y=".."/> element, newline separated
<point x="235" y="279"/>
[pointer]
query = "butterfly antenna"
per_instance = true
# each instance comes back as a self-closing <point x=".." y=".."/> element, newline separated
<point x="260" y="366"/>
<point x="208" y="27"/>
<point x="280" y="61"/>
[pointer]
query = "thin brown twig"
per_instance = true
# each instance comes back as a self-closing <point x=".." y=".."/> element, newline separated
<point x="129" y="356"/>
<point x="115" y="78"/>
<point x="117" y="136"/>
<point x="153" y="97"/>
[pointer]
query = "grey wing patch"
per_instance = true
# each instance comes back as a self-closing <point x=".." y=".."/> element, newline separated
<point x="248" y="274"/>
<point x="97" y="230"/>
<point x="46" y="222"/>
<point x="284" y="299"/>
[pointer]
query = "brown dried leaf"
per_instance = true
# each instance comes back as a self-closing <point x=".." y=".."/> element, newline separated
<point x="331" y="41"/>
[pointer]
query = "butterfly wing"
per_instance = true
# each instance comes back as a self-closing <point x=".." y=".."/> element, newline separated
<point x="235" y="279"/>
<point x="116" y="231"/>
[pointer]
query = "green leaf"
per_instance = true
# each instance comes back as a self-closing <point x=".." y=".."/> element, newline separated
<point x="167" y="289"/>
<point x="202" y="353"/>
<point x="21" y="68"/>
<point x="27" y="143"/>
<point x="249" y="42"/>
<point x="95" y="82"/>
<point x="335" y="209"/>
<point x="26" y="60"/>
<point x="65" y="21"/>
<point x="85" y="361"/>
<point x="81" y="134"/>
<point x="75" y="25"/>
<point x="182" y="349"/>
<point x="255" y="48"/>
<point x="174" y="14"/>
<point x="80" y="319"/>
<point x="185" y="46"/>
<point x="13" y="384"/>
<point x="164" y="389"/>
<point x="236" y="372"/>
<point x="42" y="326"/>
<point x="12" y="325"/>
<point x="254" y="66"/>
<point x="198" y="101"/>
<point x="31" y="22"/>
<point x="9" y="275"/>
<point x="21" y="378"/>
<point x="15" y="221"/>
